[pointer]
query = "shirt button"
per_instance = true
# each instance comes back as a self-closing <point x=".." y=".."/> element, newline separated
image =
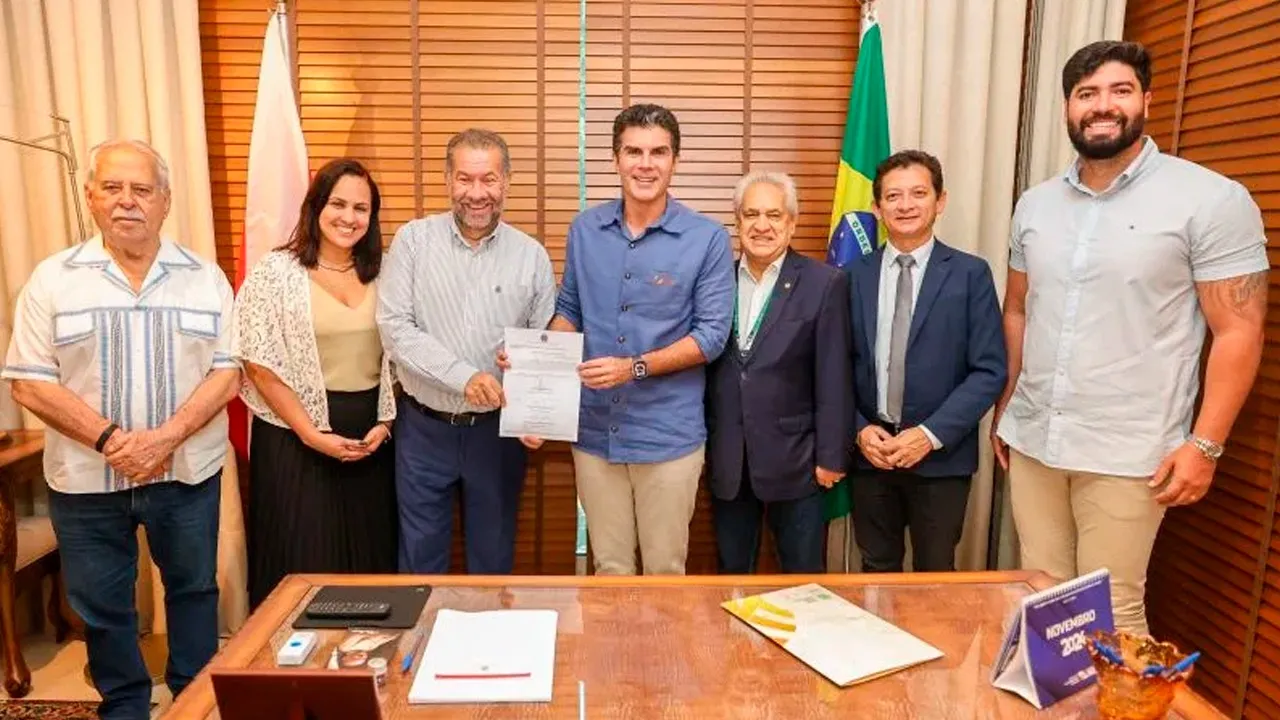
<point x="631" y="245"/>
<point x="622" y="339"/>
<point x="616" y="398"/>
<point x="613" y="429"/>
<point x="627" y="276"/>
<point x="626" y="308"/>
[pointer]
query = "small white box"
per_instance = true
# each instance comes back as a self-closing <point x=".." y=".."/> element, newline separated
<point x="296" y="649"/>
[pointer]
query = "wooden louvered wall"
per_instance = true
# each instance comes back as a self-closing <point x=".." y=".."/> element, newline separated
<point x="1215" y="573"/>
<point x="755" y="83"/>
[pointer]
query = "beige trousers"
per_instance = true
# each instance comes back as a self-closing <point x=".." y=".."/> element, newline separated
<point x="1072" y="523"/>
<point x="651" y="502"/>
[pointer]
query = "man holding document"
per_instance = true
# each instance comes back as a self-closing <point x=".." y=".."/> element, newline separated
<point x="650" y="283"/>
<point x="450" y="285"/>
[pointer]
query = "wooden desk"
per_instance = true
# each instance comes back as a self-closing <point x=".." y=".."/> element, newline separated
<point x="663" y="648"/>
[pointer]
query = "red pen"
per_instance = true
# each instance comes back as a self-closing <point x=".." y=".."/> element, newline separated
<point x="482" y="676"/>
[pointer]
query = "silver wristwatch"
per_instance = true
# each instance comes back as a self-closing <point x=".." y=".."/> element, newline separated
<point x="1208" y="448"/>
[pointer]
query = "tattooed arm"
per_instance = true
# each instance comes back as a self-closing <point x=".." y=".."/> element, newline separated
<point x="1235" y="309"/>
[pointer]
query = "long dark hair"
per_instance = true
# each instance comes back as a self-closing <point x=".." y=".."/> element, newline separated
<point x="305" y="242"/>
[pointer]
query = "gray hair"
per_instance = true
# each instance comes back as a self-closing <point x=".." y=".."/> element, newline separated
<point x="477" y="139"/>
<point x="158" y="165"/>
<point x="780" y="180"/>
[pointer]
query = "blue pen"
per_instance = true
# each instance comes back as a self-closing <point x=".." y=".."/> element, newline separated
<point x="1109" y="653"/>
<point x="1185" y="663"/>
<point x="407" y="662"/>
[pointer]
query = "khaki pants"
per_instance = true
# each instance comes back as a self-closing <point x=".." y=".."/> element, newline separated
<point x="1072" y="523"/>
<point x="652" y="502"/>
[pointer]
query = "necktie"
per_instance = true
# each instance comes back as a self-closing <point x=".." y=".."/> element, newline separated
<point x="898" y="338"/>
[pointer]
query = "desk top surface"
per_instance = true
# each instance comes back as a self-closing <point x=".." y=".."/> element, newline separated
<point x="663" y="648"/>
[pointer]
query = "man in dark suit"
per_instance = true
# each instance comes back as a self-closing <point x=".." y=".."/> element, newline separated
<point x="928" y="362"/>
<point x="779" y="400"/>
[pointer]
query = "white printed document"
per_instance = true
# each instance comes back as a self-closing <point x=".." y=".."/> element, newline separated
<point x="488" y="657"/>
<point x="542" y="387"/>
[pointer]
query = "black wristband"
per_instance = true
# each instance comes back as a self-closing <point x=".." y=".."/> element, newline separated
<point x="105" y="436"/>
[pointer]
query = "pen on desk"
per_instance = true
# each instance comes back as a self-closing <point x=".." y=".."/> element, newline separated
<point x="407" y="662"/>
<point x="582" y="700"/>
<point x="482" y="676"/>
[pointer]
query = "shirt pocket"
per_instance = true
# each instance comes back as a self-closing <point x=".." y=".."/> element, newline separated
<point x="196" y="337"/>
<point x="660" y="295"/>
<point x="75" y="341"/>
<point x="508" y="304"/>
<point x="72" y="328"/>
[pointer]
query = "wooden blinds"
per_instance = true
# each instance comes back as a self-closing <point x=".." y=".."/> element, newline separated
<point x="1215" y="573"/>
<point x="755" y="84"/>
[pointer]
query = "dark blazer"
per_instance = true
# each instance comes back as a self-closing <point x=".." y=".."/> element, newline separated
<point x="787" y="404"/>
<point x="956" y="360"/>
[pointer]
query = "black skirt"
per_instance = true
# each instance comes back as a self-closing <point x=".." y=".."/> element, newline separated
<point x="310" y="513"/>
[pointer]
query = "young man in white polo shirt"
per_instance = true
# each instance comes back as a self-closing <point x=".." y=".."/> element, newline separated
<point x="122" y="345"/>
<point x="1115" y="269"/>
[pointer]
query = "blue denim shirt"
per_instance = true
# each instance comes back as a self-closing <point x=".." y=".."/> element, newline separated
<point x="630" y="296"/>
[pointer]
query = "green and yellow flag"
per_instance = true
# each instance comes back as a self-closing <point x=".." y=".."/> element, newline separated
<point x="866" y="143"/>
<point x="854" y="232"/>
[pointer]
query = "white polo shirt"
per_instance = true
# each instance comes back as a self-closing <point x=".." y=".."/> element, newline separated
<point x="133" y="358"/>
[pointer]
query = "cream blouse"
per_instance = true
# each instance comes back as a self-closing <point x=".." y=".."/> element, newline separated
<point x="347" y="339"/>
<point x="275" y="329"/>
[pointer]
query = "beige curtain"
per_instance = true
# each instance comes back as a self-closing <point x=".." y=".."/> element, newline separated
<point x="952" y="77"/>
<point x="1059" y="28"/>
<point x="127" y="68"/>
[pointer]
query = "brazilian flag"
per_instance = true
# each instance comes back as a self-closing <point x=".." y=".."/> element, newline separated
<point x="866" y="142"/>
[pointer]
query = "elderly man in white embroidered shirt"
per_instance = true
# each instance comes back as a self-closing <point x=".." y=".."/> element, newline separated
<point x="121" y="345"/>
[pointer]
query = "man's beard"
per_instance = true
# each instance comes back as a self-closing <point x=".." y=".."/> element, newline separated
<point x="1106" y="148"/>
<point x="461" y="216"/>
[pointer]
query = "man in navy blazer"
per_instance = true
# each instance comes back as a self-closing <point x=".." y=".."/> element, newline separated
<point x="928" y="362"/>
<point x="779" y="399"/>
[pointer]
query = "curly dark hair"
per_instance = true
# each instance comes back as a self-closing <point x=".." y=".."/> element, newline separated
<point x="1088" y="59"/>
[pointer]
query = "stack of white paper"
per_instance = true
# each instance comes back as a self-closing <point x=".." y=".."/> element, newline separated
<point x="482" y="657"/>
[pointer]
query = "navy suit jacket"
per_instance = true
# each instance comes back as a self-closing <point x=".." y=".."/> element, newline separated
<point x="788" y="403"/>
<point x="956" y="361"/>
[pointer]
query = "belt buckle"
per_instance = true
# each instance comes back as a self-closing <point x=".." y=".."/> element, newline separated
<point x="461" y="420"/>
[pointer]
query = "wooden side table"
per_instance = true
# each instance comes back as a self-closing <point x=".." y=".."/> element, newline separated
<point x="20" y="460"/>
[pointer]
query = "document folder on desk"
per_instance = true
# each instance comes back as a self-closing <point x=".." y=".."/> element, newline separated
<point x="488" y="657"/>
<point x="845" y="643"/>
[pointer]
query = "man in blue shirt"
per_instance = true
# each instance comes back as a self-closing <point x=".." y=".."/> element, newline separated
<point x="650" y="283"/>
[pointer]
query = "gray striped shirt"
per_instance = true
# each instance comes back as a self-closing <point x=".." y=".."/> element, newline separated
<point x="443" y="305"/>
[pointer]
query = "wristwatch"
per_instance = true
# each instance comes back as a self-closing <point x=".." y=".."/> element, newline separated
<point x="639" y="369"/>
<point x="1208" y="448"/>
